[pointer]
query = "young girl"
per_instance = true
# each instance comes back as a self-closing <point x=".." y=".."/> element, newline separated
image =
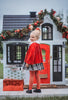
<point x="33" y="60"/>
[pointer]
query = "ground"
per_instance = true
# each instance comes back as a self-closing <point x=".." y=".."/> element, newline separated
<point x="36" y="98"/>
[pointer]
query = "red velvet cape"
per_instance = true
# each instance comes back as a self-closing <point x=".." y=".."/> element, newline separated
<point x="34" y="54"/>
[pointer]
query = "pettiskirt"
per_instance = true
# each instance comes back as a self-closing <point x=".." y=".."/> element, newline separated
<point x="33" y="67"/>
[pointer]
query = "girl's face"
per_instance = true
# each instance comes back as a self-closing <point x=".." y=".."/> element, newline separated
<point x="33" y="37"/>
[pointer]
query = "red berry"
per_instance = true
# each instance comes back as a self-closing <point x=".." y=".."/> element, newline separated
<point x="67" y="36"/>
<point x="65" y="26"/>
<point x="15" y="30"/>
<point x="21" y="35"/>
<point x="66" y="31"/>
<point x="54" y="12"/>
<point x="63" y="36"/>
<point x="39" y="13"/>
<point x="35" y="24"/>
<point x="29" y="24"/>
<point x="1" y="35"/>
<point x="18" y="30"/>
<point x="29" y="28"/>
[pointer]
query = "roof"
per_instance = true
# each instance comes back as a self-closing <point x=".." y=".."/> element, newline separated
<point x="11" y="22"/>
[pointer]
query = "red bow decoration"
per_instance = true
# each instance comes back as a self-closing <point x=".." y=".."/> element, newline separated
<point x="37" y="29"/>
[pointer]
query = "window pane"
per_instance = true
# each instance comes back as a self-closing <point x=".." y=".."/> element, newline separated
<point x="59" y="48"/>
<point x="59" y="68"/>
<point x="18" y="52"/>
<point x="55" y="62"/>
<point x="25" y="48"/>
<point x="8" y="49"/>
<point x="49" y="35"/>
<point x="44" y="36"/>
<point x="59" y="54"/>
<point x="55" y="68"/>
<point x="47" y="31"/>
<point x="59" y="62"/>
<point x="9" y="55"/>
<point x="43" y="55"/>
<point x="57" y="58"/>
<point x="44" y="30"/>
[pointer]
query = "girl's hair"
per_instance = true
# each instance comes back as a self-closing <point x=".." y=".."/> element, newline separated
<point x="37" y="33"/>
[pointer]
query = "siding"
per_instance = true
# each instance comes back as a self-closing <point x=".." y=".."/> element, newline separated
<point x="11" y="22"/>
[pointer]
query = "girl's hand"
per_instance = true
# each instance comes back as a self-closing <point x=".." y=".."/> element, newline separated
<point x="27" y="65"/>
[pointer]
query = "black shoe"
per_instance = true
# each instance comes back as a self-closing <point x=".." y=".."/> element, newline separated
<point x="29" y="91"/>
<point x="37" y="90"/>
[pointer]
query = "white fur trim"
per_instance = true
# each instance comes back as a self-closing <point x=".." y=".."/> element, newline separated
<point x="29" y="41"/>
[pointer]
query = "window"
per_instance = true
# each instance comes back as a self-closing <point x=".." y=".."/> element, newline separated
<point x="16" y="53"/>
<point x="47" y="31"/>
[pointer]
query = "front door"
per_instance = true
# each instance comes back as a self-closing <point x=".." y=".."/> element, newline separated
<point x="45" y="74"/>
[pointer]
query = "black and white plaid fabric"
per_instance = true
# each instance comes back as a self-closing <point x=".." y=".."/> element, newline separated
<point x="33" y="67"/>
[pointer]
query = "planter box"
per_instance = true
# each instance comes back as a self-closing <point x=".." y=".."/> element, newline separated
<point x="13" y="85"/>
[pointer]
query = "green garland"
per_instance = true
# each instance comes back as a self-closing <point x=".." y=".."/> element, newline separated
<point x="24" y="31"/>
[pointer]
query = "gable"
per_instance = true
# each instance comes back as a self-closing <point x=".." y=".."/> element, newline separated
<point x="56" y="34"/>
<point x="47" y="19"/>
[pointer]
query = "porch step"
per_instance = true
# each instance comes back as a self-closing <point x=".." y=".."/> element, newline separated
<point x="47" y="86"/>
<point x="41" y="86"/>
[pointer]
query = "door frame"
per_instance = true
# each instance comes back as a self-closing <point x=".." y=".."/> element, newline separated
<point x="57" y="76"/>
<point x="63" y="67"/>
